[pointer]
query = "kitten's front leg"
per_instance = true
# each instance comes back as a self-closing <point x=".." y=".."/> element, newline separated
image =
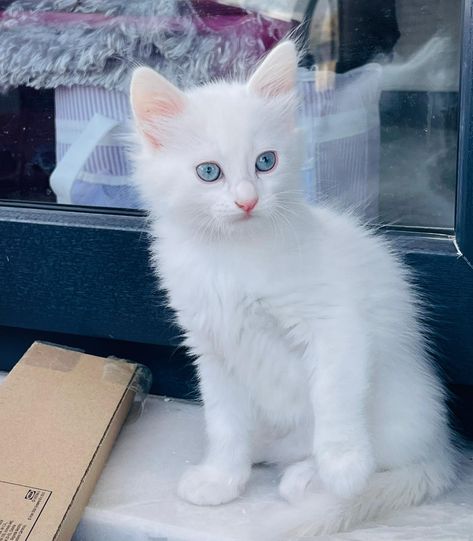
<point x="223" y="474"/>
<point x="338" y="361"/>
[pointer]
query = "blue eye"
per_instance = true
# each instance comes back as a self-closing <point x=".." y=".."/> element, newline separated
<point x="266" y="161"/>
<point x="208" y="171"/>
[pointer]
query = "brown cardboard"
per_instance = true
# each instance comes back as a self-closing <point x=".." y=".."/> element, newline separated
<point x="60" y="413"/>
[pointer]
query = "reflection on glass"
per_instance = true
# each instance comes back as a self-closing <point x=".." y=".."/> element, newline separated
<point x="378" y="82"/>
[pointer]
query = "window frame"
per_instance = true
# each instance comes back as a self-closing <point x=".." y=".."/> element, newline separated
<point x="464" y="188"/>
<point x="86" y="272"/>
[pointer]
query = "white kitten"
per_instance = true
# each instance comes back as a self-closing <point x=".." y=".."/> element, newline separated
<point x="304" y="326"/>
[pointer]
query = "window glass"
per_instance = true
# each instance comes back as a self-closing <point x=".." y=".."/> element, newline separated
<point x="378" y="83"/>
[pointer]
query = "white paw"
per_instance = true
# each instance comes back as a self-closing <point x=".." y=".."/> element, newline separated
<point x="345" y="468"/>
<point x="298" y="479"/>
<point x="205" y="485"/>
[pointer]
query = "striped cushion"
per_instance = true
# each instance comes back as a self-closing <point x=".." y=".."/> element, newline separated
<point x="341" y="125"/>
<point x="105" y="178"/>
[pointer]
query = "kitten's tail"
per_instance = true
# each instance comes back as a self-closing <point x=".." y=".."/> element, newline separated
<point x="387" y="492"/>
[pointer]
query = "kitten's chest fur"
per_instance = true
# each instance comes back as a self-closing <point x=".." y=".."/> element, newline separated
<point x="248" y="315"/>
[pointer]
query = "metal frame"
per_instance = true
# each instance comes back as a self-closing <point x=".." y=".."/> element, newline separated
<point x="87" y="274"/>
<point x="78" y="272"/>
<point x="464" y="201"/>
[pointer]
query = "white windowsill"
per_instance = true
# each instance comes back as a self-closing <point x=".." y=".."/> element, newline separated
<point x="135" y="497"/>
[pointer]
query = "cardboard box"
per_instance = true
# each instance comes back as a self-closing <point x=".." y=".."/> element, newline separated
<point x="60" y="413"/>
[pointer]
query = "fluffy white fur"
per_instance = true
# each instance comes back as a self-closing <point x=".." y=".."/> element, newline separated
<point x="304" y="326"/>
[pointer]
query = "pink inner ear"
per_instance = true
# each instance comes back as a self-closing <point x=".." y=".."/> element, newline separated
<point x="276" y="88"/>
<point x="277" y="74"/>
<point x="161" y="107"/>
<point x="150" y="112"/>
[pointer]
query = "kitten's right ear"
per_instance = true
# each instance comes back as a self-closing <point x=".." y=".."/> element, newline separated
<point x="153" y="97"/>
<point x="276" y="75"/>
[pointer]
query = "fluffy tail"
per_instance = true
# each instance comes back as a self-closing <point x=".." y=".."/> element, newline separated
<point x="387" y="492"/>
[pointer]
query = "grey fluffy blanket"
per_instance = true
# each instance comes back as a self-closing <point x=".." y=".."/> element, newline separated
<point x="48" y="43"/>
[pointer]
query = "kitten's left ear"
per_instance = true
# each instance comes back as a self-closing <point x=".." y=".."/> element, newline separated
<point x="152" y="96"/>
<point x="277" y="74"/>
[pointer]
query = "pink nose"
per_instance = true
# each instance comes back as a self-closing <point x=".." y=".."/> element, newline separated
<point x="248" y="205"/>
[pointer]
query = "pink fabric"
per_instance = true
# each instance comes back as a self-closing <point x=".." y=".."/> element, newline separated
<point x="210" y="16"/>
